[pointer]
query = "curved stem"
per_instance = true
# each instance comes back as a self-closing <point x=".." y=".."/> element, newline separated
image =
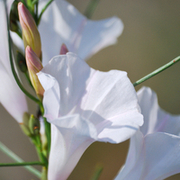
<point x="16" y="158"/>
<point x="21" y="164"/>
<point x="43" y="10"/>
<point x="157" y="71"/>
<point x="12" y="64"/>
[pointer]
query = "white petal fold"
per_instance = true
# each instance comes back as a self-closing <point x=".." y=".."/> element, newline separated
<point x="154" y="149"/>
<point x="11" y="97"/>
<point x="63" y="23"/>
<point x="85" y="105"/>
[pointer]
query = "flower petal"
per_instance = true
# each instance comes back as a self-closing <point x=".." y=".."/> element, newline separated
<point x="71" y="74"/>
<point x="156" y="119"/>
<point x="62" y="23"/>
<point x="11" y="97"/>
<point x="154" y="149"/>
<point x="134" y="159"/>
<point x="159" y="158"/>
<point x="4" y="55"/>
<point x="107" y="99"/>
<point x="70" y="137"/>
<point x="85" y="105"/>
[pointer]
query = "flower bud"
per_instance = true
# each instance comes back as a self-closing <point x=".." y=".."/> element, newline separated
<point x="34" y="65"/>
<point x="64" y="49"/>
<point x="30" y="33"/>
<point x="34" y="125"/>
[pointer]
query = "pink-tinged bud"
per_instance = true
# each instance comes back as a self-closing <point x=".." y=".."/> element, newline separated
<point x="34" y="65"/>
<point x="30" y="33"/>
<point x="64" y="49"/>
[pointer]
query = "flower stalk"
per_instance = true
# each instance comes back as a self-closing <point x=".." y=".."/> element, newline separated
<point x="91" y="8"/>
<point x="21" y="164"/>
<point x="43" y="10"/>
<point x="16" y="158"/>
<point x="157" y="71"/>
<point x="12" y="64"/>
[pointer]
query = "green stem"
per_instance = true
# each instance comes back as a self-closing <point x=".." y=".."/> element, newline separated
<point x="37" y="3"/>
<point x="16" y="158"/>
<point x="47" y="128"/>
<point x="43" y="10"/>
<point x="157" y="71"/>
<point x="91" y="8"/>
<point x="21" y="164"/>
<point x="37" y="142"/>
<point x="12" y="64"/>
<point x="48" y="133"/>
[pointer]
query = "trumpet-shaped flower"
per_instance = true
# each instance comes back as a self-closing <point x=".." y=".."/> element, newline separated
<point x="63" y="23"/>
<point x="11" y="97"/>
<point x="84" y="105"/>
<point x="154" y="149"/>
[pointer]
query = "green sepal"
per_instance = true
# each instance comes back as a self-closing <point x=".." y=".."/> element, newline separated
<point x="34" y="125"/>
<point x="25" y="125"/>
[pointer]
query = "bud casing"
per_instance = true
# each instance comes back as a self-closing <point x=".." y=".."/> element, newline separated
<point x="34" y="65"/>
<point x="30" y="33"/>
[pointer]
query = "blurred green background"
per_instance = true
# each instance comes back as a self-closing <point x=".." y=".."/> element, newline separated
<point x="150" y="39"/>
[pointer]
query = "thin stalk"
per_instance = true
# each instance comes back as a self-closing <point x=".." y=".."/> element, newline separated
<point x="37" y="3"/>
<point x="12" y="64"/>
<point x="157" y="71"/>
<point x="43" y="10"/>
<point x="91" y="8"/>
<point x="37" y="142"/>
<point x="21" y="164"/>
<point x="47" y="128"/>
<point x="16" y="158"/>
<point x="48" y="133"/>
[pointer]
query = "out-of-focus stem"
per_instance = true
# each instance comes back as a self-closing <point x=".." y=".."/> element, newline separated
<point x="16" y="158"/>
<point x="12" y="65"/>
<point x="91" y="8"/>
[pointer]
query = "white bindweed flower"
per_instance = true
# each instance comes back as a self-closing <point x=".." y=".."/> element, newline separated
<point x="154" y="152"/>
<point x="11" y="97"/>
<point x="84" y="105"/>
<point x="63" y="23"/>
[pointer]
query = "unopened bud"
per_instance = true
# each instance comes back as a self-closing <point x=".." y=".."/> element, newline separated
<point x="34" y="125"/>
<point x="64" y="49"/>
<point x="21" y="62"/>
<point x="34" y="65"/>
<point x="25" y="125"/>
<point x="30" y="33"/>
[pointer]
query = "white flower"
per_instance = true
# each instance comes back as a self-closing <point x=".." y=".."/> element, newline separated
<point x="84" y="105"/>
<point x="63" y="23"/>
<point x="154" y="152"/>
<point x="11" y="97"/>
